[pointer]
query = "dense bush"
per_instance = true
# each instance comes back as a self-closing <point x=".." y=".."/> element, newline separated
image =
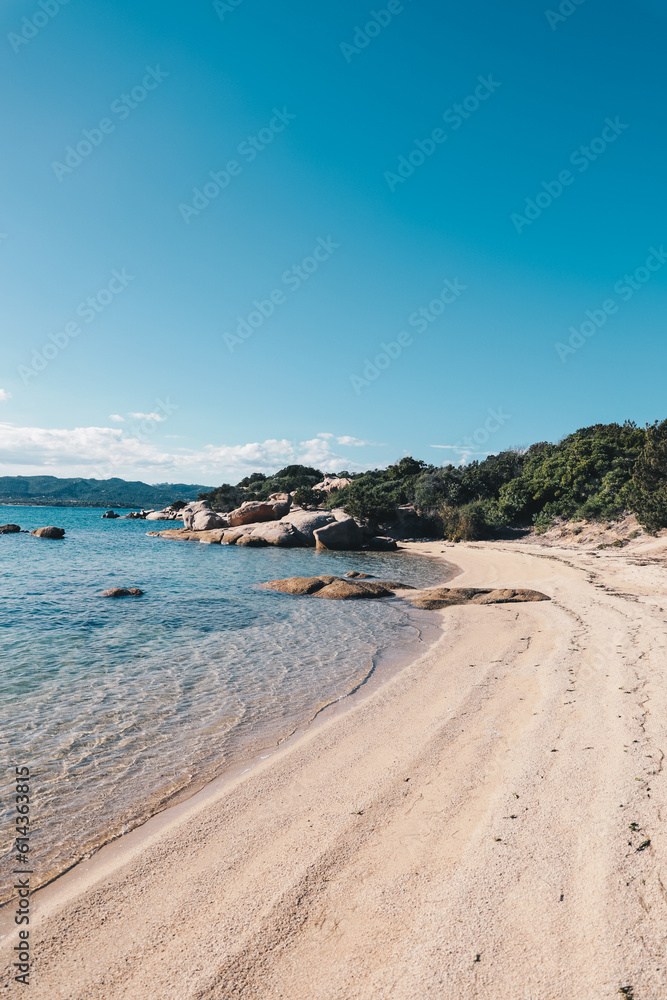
<point x="596" y="474"/>
<point x="648" y="499"/>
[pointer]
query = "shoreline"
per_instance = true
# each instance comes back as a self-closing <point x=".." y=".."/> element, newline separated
<point x="383" y="663"/>
<point x="376" y="854"/>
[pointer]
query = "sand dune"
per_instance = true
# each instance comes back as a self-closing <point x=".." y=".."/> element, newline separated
<point x="473" y="828"/>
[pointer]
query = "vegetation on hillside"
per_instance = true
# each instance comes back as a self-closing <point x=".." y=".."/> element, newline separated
<point x="595" y="474"/>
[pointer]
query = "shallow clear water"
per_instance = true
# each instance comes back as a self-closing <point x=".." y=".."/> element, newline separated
<point x="119" y="706"/>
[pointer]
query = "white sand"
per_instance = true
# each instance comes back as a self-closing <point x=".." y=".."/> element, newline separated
<point x="532" y="736"/>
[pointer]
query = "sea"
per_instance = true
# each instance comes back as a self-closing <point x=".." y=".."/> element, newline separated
<point x="120" y="707"/>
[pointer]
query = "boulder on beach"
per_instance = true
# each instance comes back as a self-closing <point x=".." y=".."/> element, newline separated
<point x="445" y="597"/>
<point x="123" y="592"/>
<point x="343" y="533"/>
<point x="200" y="516"/>
<point x="9" y="529"/>
<point x="48" y="532"/>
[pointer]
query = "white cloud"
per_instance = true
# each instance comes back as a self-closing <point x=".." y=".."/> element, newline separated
<point x="117" y="417"/>
<point x="157" y="417"/>
<point x="101" y="452"/>
<point x="4" y="395"/>
<point x="352" y="442"/>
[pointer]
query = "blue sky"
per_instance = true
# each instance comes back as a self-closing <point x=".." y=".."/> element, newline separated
<point x="365" y="156"/>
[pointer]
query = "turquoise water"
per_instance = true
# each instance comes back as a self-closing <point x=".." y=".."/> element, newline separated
<point x="120" y="706"/>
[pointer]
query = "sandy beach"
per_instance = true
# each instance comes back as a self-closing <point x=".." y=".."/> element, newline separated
<point x="486" y="824"/>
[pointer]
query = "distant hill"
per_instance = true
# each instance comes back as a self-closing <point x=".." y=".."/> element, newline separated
<point x="50" y="491"/>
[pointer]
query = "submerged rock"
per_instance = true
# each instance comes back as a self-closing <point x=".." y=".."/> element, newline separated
<point x="9" y="529"/>
<point x="299" y="584"/>
<point x="49" y="532"/>
<point x="123" y="592"/>
<point x="334" y="587"/>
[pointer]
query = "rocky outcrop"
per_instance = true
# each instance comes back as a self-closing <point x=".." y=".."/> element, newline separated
<point x="330" y="484"/>
<point x="333" y="587"/>
<point x="138" y="515"/>
<point x="213" y="537"/>
<point x="251" y="540"/>
<point x="9" y="529"/>
<point x="200" y="516"/>
<point x="168" y="514"/>
<point x="122" y="592"/>
<point x="343" y="533"/>
<point x="280" y="533"/>
<point x="444" y="597"/>
<point x="110" y="514"/>
<point x="256" y="511"/>
<point x="353" y="575"/>
<point x="307" y="522"/>
<point x="49" y="532"/>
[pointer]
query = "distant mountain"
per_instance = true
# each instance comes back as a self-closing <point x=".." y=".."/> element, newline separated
<point x="50" y="491"/>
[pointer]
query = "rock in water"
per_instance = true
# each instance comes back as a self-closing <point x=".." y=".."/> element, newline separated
<point x="8" y="529"/>
<point x="331" y="586"/>
<point x="200" y="516"/>
<point x="299" y="584"/>
<point x="381" y="543"/>
<point x="251" y="541"/>
<point x="307" y="522"/>
<point x="350" y="590"/>
<point x="339" y="534"/>
<point x="49" y="532"/>
<point x="123" y="592"/>
<point x="279" y="533"/>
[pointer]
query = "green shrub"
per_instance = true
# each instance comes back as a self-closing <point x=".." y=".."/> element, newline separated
<point x="648" y="499"/>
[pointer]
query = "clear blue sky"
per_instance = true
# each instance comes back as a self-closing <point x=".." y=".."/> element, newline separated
<point x="181" y="90"/>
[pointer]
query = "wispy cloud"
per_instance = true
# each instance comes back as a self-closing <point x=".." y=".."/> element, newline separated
<point x="82" y="450"/>
<point x="157" y="417"/>
<point x="4" y="395"/>
<point x="117" y="417"/>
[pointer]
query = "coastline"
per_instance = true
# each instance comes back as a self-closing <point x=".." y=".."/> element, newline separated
<point x="380" y="841"/>
<point x="381" y="665"/>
